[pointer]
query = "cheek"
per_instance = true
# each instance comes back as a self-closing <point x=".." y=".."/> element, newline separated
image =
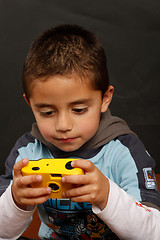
<point x="44" y="128"/>
<point x="90" y="127"/>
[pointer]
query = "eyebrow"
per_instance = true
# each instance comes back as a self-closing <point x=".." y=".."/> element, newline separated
<point x="43" y="105"/>
<point x="81" y="101"/>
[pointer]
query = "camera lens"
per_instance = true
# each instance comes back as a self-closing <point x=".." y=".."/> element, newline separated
<point x="54" y="186"/>
<point x="69" y="166"/>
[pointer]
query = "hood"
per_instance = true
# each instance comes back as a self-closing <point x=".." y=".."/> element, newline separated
<point x="110" y="127"/>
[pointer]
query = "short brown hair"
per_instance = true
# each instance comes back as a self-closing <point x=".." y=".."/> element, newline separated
<point x="66" y="50"/>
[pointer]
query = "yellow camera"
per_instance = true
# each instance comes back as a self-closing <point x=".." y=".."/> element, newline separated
<point x="52" y="170"/>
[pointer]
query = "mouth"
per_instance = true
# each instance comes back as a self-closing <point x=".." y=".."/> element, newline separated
<point x="66" y="140"/>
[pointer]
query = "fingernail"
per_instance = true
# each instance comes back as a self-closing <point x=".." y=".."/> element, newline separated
<point x="39" y="178"/>
<point x="25" y="161"/>
<point x="49" y="190"/>
<point x="63" y="179"/>
<point x="73" y="163"/>
<point x="63" y="195"/>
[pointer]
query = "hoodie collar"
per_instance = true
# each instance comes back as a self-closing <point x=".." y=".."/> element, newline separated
<point x="110" y="127"/>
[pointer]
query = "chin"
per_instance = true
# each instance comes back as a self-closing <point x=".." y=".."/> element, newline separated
<point x="68" y="148"/>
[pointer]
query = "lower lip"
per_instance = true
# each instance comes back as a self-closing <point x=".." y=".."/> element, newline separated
<point x="68" y="140"/>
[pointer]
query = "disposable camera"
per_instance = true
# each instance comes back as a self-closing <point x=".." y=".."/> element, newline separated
<point x="52" y="170"/>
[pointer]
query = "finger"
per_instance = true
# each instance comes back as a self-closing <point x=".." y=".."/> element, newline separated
<point x="75" y="179"/>
<point x="78" y="191"/>
<point x="86" y="165"/>
<point x="36" y="192"/>
<point x="31" y="196"/>
<point x="84" y="198"/>
<point x="88" y="197"/>
<point x="28" y="180"/>
<point x="19" y="165"/>
<point x="35" y="201"/>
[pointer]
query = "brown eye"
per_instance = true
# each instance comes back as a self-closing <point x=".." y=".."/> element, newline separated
<point x="79" y="110"/>
<point x="47" y="114"/>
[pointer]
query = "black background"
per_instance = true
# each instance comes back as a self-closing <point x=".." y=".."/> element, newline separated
<point x="128" y="30"/>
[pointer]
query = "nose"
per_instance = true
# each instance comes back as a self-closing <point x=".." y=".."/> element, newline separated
<point x="63" y="123"/>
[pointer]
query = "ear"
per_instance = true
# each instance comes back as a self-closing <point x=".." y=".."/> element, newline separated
<point x="26" y="99"/>
<point x="107" y="98"/>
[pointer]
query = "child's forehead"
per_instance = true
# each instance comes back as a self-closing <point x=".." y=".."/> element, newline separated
<point x="69" y="79"/>
<point x="62" y="88"/>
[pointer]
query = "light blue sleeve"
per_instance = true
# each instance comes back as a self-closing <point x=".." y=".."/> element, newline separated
<point x="116" y="162"/>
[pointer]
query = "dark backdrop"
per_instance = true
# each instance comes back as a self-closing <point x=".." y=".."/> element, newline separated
<point x="130" y="34"/>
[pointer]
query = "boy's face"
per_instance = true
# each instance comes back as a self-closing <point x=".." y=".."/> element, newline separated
<point x="67" y="111"/>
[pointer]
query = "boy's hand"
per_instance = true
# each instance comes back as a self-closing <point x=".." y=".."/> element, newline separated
<point x="92" y="187"/>
<point x="24" y="195"/>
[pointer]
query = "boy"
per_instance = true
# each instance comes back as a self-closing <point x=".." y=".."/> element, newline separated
<point x="65" y="83"/>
